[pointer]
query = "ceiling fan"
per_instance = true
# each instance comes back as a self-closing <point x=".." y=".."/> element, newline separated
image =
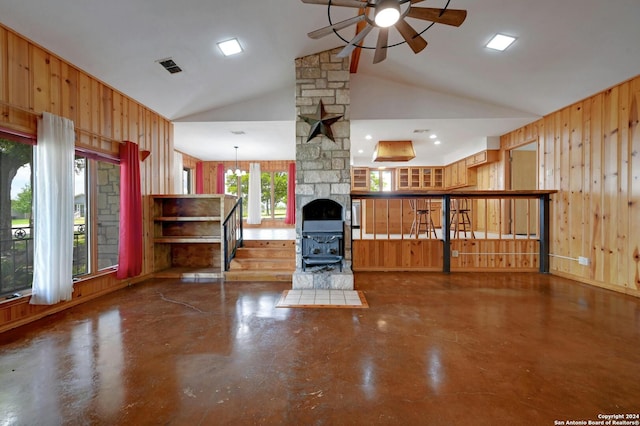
<point x="384" y="14"/>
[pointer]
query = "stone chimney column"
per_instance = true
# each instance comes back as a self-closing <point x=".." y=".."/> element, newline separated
<point x="323" y="165"/>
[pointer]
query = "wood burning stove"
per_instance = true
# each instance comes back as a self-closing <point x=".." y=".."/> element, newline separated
<point x="322" y="234"/>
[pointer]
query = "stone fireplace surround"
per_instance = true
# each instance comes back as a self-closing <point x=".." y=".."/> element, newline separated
<point x="322" y="165"/>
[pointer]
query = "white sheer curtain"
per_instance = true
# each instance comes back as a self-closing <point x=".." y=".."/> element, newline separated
<point x="178" y="166"/>
<point x="53" y="204"/>
<point x="254" y="213"/>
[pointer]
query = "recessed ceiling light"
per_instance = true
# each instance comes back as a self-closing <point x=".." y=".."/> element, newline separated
<point x="368" y="137"/>
<point x="230" y="47"/>
<point x="436" y="142"/>
<point x="360" y="151"/>
<point x="433" y="136"/>
<point x="500" y="42"/>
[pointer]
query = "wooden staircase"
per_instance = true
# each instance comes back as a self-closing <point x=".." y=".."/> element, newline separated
<point x="263" y="260"/>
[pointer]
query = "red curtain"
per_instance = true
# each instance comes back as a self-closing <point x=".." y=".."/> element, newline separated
<point x="290" y="217"/>
<point x="220" y="179"/>
<point x="130" y="252"/>
<point x="199" y="178"/>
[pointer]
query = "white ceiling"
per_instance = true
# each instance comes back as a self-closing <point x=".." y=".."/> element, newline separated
<point x="566" y="50"/>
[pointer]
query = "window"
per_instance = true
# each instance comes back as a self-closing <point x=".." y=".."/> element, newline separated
<point x="231" y="188"/>
<point x="16" y="219"/>
<point x="273" y="195"/>
<point x="187" y="179"/>
<point x="380" y="180"/>
<point x="108" y="213"/>
<point x="95" y="235"/>
<point x="80" y="225"/>
<point x="96" y="213"/>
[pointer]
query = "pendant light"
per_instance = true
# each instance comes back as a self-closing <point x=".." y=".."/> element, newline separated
<point x="237" y="172"/>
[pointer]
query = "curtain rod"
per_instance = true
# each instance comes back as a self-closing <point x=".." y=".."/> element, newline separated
<point x="77" y="129"/>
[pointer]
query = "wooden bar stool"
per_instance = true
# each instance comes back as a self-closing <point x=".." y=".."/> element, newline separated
<point x="422" y="221"/>
<point x="460" y="220"/>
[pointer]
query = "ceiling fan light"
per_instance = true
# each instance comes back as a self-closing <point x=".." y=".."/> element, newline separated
<point x="387" y="13"/>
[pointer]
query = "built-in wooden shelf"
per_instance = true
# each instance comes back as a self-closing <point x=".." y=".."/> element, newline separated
<point x="204" y="239"/>
<point x="188" y="233"/>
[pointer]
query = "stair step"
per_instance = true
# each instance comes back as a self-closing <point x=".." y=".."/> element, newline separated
<point x="263" y="253"/>
<point x="269" y="243"/>
<point x="272" y="276"/>
<point x="262" y="264"/>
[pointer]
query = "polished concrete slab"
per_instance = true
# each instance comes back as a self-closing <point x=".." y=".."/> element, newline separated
<point x="432" y="349"/>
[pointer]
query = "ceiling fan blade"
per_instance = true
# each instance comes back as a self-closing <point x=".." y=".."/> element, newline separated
<point x="354" y="42"/>
<point x="324" y="31"/>
<point x="453" y="17"/>
<point x="415" y="41"/>
<point x="345" y="3"/>
<point x="381" y="45"/>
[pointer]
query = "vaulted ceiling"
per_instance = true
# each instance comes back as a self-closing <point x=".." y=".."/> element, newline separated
<point x="465" y="93"/>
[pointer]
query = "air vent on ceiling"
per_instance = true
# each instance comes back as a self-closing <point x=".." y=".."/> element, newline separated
<point x="170" y="65"/>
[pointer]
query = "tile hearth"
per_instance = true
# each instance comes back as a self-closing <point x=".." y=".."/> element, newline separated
<point x="322" y="298"/>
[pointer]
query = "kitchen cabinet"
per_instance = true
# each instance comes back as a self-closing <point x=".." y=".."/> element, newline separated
<point x="482" y="157"/>
<point x="457" y="175"/>
<point x="360" y="178"/>
<point x="420" y="178"/>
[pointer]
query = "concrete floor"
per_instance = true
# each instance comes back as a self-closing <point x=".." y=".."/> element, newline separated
<point x="432" y="349"/>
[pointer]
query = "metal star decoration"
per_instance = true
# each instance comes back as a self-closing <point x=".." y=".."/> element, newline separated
<point x="320" y="123"/>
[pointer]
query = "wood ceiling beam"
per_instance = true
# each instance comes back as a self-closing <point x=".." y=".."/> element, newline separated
<point x="355" y="56"/>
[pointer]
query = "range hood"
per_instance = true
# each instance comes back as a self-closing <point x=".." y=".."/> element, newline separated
<point x="394" y="151"/>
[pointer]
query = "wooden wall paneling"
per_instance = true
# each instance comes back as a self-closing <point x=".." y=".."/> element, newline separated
<point x="596" y="172"/>
<point x="145" y="143"/>
<point x="587" y="213"/>
<point x="622" y="218"/>
<point x="125" y="130"/>
<point x="495" y="255"/>
<point x="397" y="255"/>
<point x="4" y="75"/>
<point x="106" y="116"/>
<point x="69" y="93"/>
<point x="188" y="161"/>
<point x="548" y="142"/>
<point x="595" y="188"/>
<point x="167" y="141"/>
<point x="634" y="186"/>
<point x="84" y="108"/>
<point x="542" y="158"/>
<point x="159" y="174"/>
<point x="161" y="185"/>
<point x="117" y="114"/>
<point x="564" y="235"/>
<point x="55" y="78"/>
<point x="131" y="124"/>
<point x="610" y="182"/>
<point x="41" y="80"/>
<point x="95" y="107"/>
<point x="576" y="201"/>
<point x="19" y="75"/>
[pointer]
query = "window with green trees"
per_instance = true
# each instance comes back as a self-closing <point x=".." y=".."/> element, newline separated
<point x="16" y="219"/>
<point x="380" y="180"/>
<point x="273" y="195"/>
